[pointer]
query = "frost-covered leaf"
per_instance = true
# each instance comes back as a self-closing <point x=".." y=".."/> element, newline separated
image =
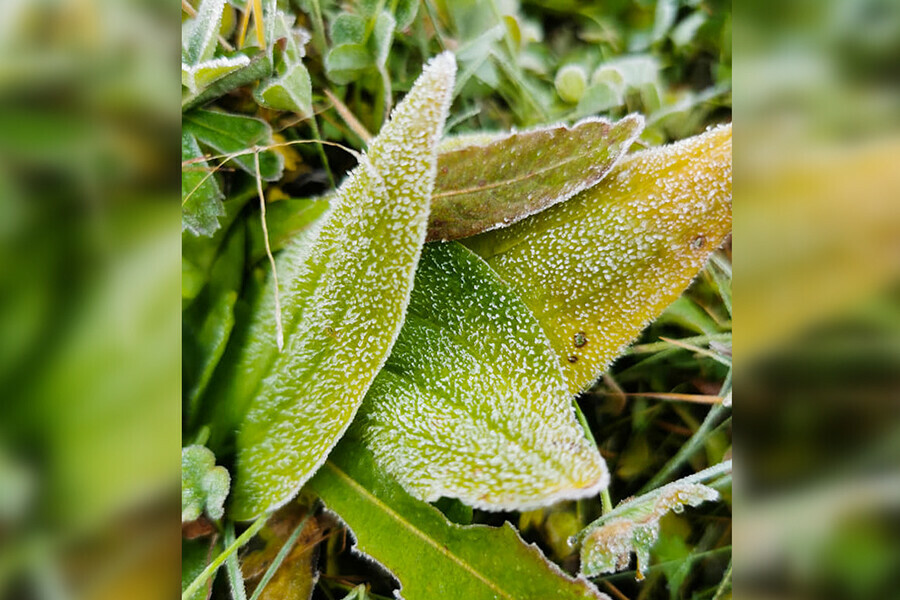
<point x="258" y="67"/>
<point x="596" y="269"/>
<point x="429" y="555"/>
<point x="198" y="77"/>
<point x="291" y="91"/>
<point x="633" y="527"/>
<point x="204" y="486"/>
<point x="201" y="198"/>
<point x="344" y="290"/>
<point x="495" y="181"/>
<point x="472" y="403"/>
<point x="229" y="133"/>
<point x="201" y="38"/>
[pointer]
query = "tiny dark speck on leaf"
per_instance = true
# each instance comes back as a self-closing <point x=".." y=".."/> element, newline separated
<point x="698" y="242"/>
<point x="573" y="358"/>
<point x="580" y="339"/>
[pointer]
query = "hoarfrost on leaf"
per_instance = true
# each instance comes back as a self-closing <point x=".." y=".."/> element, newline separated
<point x="472" y="403"/>
<point x="204" y="486"/>
<point x="345" y="286"/>
<point x="634" y="528"/>
<point x="596" y="269"/>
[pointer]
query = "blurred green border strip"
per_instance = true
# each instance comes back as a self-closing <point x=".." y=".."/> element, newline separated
<point x="817" y="298"/>
<point x="89" y="298"/>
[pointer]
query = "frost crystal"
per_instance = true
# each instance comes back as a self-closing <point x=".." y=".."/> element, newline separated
<point x="471" y="403"/>
<point x="344" y="289"/>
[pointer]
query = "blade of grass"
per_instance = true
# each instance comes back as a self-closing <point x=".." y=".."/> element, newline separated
<point x="217" y="562"/>
<point x="698" y="350"/>
<point x="654" y="347"/>
<point x="235" y="577"/>
<point x="693" y="444"/>
<point x="279" y="558"/>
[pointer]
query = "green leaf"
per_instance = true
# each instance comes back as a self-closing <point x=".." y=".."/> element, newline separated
<point x="345" y="62"/>
<point x="201" y="198"/>
<point x="202" y="35"/>
<point x="285" y="220"/>
<point x="634" y="528"/>
<point x="405" y="13"/>
<point x="229" y="133"/>
<point x="207" y="323"/>
<point x="198" y="77"/>
<point x="204" y="486"/>
<point x="291" y="91"/>
<point x="382" y="36"/>
<point x="494" y="182"/>
<point x="344" y="291"/>
<point x="198" y="254"/>
<point x="430" y="556"/>
<point x="596" y="269"/>
<point x="257" y="68"/>
<point x="347" y="28"/>
<point x="472" y="403"/>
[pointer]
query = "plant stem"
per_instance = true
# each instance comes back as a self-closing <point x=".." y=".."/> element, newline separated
<point x="314" y="125"/>
<point x="606" y="501"/>
<point x="217" y="562"/>
<point x="318" y="28"/>
<point x="726" y="583"/>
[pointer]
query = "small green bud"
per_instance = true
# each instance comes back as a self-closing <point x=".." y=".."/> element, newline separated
<point x="571" y="81"/>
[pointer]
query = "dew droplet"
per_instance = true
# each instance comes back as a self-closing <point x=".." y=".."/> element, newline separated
<point x="573" y="358"/>
<point x="698" y="242"/>
<point x="580" y="339"/>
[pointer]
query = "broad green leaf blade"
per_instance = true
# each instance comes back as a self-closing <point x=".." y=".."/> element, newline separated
<point x="485" y="186"/>
<point x="344" y="294"/>
<point x="430" y="556"/>
<point x="596" y="269"/>
<point x="229" y="133"/>
<point x="201" y="198"/>
<point x="204" y="486"/>
<point x="472" y="403"/>
<point x="203" y="31"/>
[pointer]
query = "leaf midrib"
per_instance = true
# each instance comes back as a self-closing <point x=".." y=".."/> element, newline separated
<point x="368" y="496"/>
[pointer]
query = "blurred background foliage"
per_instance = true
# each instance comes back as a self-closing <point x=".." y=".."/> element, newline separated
<point x="658" y="414"/>
<point x="89" y="353"/>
